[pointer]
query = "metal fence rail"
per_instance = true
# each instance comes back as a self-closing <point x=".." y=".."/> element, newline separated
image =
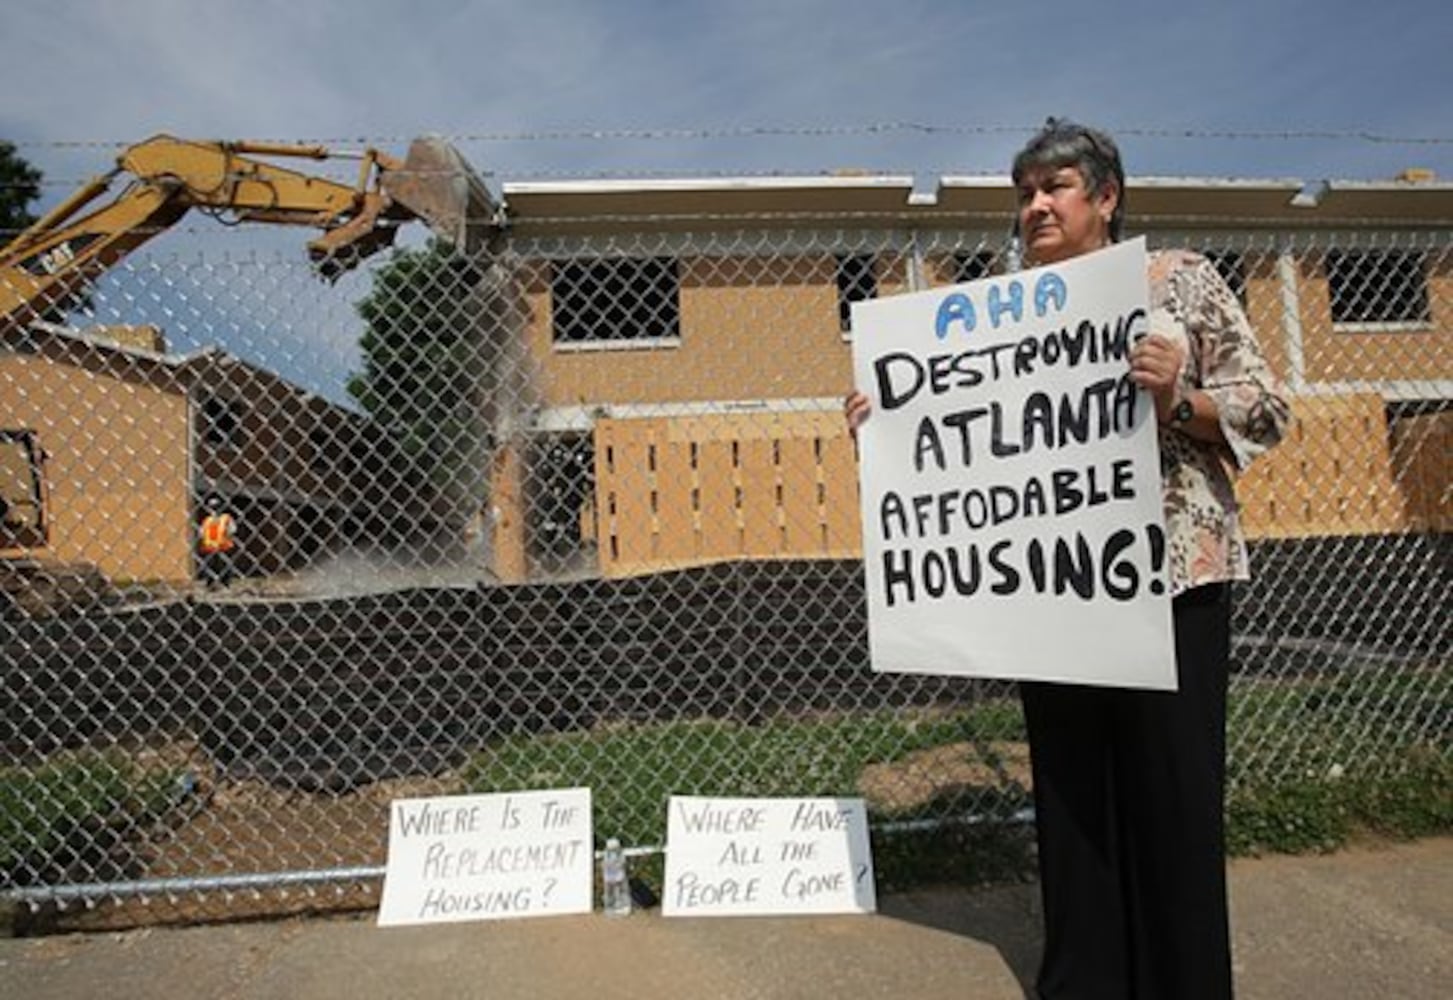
<point x="583" y="512"/>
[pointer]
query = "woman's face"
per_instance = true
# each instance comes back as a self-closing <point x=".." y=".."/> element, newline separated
<point x="1059" y="217"/>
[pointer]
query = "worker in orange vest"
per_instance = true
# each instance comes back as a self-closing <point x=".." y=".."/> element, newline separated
<point x="216" y="544"/>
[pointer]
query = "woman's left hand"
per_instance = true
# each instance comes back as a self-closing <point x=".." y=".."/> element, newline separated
<point x="1155" y="365"/>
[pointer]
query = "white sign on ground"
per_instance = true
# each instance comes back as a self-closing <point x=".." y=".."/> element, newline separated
<point x="1010" y="478"/>
<point x="734" y="857"/>
<point x="488" y="857"/>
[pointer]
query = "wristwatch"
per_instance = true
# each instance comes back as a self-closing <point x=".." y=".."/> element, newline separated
<point x="1182" y="412"/>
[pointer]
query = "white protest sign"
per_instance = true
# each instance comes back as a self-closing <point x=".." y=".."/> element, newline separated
<point x="1011" y="502"/>
<point x="488" y="857"/>
<point x="733" y="857"/>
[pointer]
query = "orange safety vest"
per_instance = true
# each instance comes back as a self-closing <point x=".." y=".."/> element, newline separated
<point x="217" y="534"/>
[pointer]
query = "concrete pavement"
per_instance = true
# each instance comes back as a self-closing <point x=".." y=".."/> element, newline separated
<point x="1373" y="921"/>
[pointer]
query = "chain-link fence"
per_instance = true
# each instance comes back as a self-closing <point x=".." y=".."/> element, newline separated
<point x="579" y="509"/>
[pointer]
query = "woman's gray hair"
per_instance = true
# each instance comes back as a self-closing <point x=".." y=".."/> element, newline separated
<point x="1063" y="143"/>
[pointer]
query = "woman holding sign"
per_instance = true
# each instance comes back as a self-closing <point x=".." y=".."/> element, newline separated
<point x="1129" y="784"/>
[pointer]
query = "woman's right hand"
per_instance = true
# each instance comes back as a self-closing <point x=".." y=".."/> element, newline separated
<point x="856" y="409"/>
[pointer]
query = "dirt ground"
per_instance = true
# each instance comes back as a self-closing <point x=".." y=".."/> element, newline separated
<point x="920" y="777"/>
<point x="230" y="826"/>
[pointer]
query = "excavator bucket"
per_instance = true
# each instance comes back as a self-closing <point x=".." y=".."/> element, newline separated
<point x="439" y="186"/>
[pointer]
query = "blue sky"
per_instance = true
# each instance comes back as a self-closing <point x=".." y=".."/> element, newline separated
<point x="791" y="86"/>
<point x="590" y="88"/>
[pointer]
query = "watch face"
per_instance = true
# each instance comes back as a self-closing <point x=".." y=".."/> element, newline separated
<point x="1183" y="412"/>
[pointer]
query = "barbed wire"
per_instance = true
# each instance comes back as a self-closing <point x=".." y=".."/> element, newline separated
<point x="811" y="131"/>
<point x="688" y="173"/>
<point x="706" y="222"/>
<point x="645" y="173"/>
<point x="342" y="144"/>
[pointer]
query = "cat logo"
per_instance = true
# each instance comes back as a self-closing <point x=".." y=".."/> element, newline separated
<point x="58" y="257"/>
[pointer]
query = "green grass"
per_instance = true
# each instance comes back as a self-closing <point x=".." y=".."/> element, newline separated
<point x="1315" y="762"/>
<point x="632" y="770"/>
<point x="1322" y="761"/>
<point x="47" y="810"/>
<point x="1299" y="814"/>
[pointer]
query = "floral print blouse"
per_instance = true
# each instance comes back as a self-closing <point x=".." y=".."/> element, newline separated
<point x="1191" y="303"/>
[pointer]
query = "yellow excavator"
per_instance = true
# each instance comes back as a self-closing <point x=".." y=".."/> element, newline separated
<point x="46" y="269"/>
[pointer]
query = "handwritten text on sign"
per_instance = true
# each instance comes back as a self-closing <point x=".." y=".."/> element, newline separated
<point x="1011" y="501"/>
<point x="728" y="857"/>
<point x="488" y="857"/>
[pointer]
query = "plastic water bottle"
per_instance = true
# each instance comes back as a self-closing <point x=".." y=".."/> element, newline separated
<point x="616" y="888"/>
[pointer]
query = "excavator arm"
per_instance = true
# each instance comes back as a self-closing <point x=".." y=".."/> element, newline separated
<point x="49" y="264"/>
